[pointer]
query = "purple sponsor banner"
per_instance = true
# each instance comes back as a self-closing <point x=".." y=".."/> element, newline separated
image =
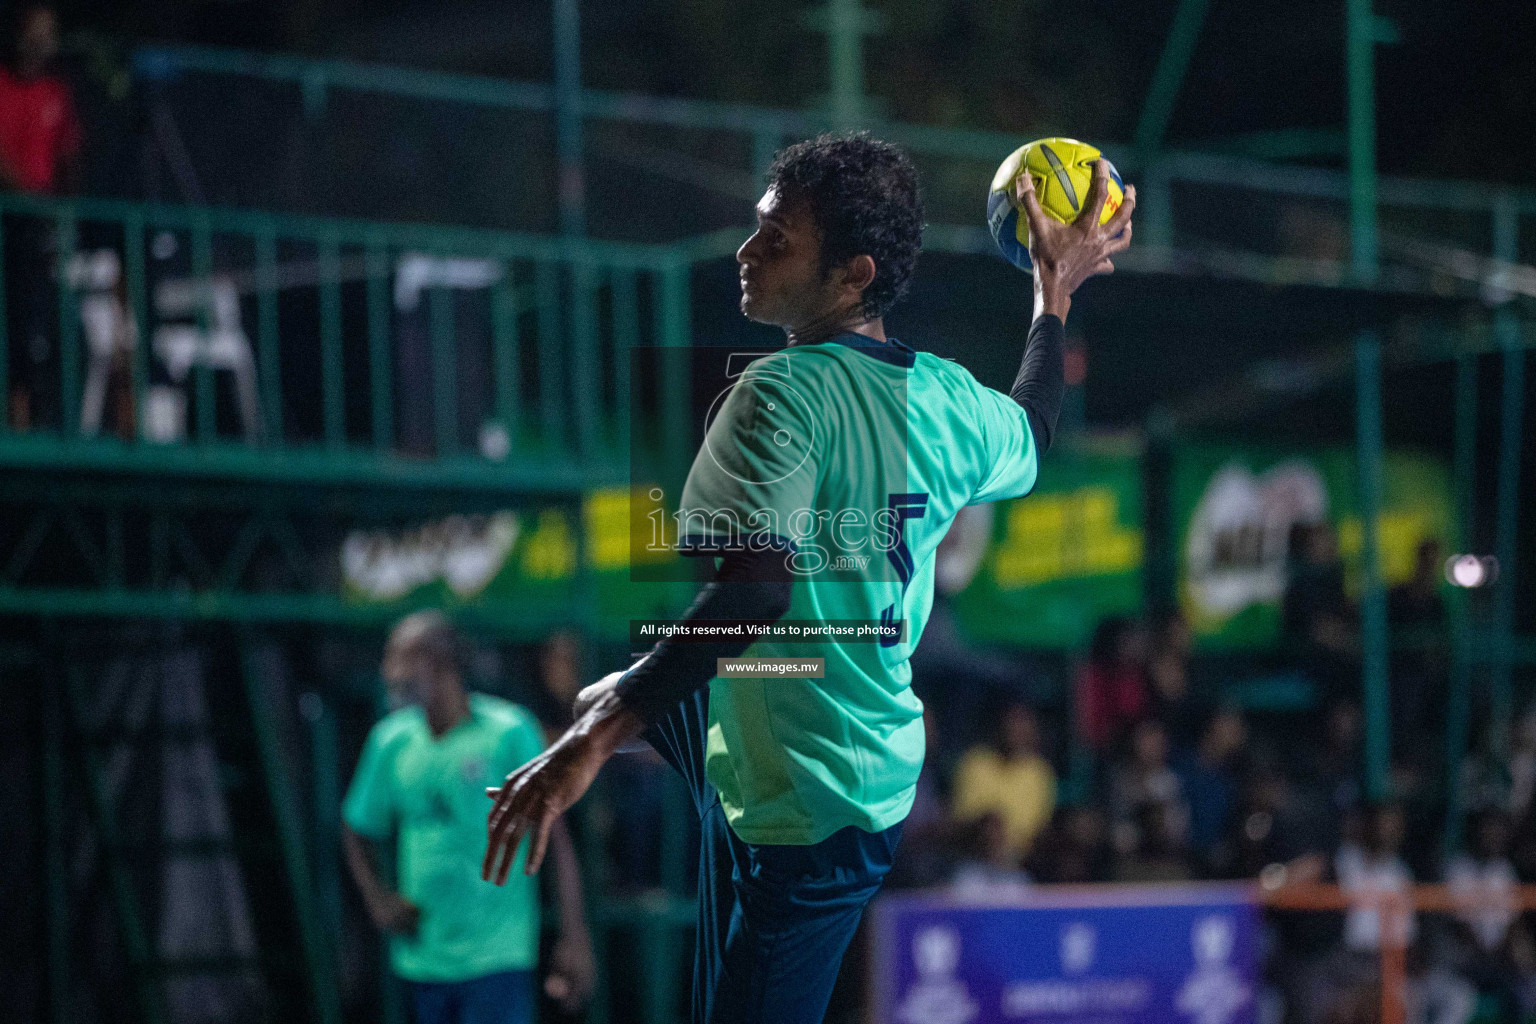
<point x="1111" y="954"/>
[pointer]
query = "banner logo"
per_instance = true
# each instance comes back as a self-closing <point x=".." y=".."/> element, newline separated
<point x="937" y="997"/>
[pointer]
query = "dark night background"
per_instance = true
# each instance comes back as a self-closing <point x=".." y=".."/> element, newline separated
<point x="1457" y="97"/>
<point x="1456" y="100"/>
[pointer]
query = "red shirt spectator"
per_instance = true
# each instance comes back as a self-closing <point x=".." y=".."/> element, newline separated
<point x="1109" y="700"/>
<point x="1112" y="687"/>
<point x="39" y="132"/>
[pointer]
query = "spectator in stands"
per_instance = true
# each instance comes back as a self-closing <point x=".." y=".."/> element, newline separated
<point x="1417" y="603"/>
<point x="1269" y="828"/>
<point x="1420" y="660"/>
<point x="1365" y="866"/>
<point x="39" y="153"/>
<point x="1368" y="870"/>
<point x="1145" y="778"/>
<point x="987" y="865"/>
<point x="1522" y="956"/>
<point x="1273" y="837"/>
<point x="1414" y="791"/>
<point x="1172" y="699"/>
<point x="39" y="133"/>
<point x="1488" y="774"/>
<point x="1209" y="777"/>
<point x="1491" y="778"/>
<point x="1330" y="770"/>
<point x="1318" y="621"/>
<point x="1522" y="766"/>
<point x="1074" y="848"/>
<point x="1009" y="778"/>
<point x="1371" y="867"/>
<point x="560" y="678"/>
<point x="1161" y="853"/>
<point x="467" y="949"/>
<point x="1112" y="687"/>
<point x="1485" y="879"/>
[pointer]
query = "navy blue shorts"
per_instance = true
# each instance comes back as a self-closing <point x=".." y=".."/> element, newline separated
<point x="505" y="997"/>
<point x="774" y="920"/>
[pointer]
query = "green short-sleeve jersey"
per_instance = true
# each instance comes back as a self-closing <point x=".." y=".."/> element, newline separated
<point x="858" y="454"/>
<point x="430" y="792"/>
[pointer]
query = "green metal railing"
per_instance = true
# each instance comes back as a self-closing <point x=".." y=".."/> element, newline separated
<point x="1244" y="163"/>
<point x="562" y="310"/>
<point x="315" y="293"/>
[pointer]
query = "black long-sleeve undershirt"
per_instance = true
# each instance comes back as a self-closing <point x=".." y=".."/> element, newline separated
<point x="1042" y="379"/>
<point x="750" y="586"/>
<point x="755" y="586"/>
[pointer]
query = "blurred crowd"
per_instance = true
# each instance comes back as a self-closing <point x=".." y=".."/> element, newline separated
<point x="1142" y="767"/>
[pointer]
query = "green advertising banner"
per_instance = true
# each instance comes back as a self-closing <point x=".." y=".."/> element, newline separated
<point x="1233" y="509"/>
<point x="520" y="557"/>
<point x="1052" y="564"/>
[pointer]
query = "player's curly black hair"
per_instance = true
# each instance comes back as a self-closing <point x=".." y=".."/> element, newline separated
<point x="864" y="199"/>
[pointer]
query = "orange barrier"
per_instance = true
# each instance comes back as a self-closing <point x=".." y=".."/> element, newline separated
<point x="1393" y="908"/>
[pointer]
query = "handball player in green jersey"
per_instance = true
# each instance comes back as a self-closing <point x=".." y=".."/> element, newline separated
<point x="829" y="473"/>
<point x="467" y="950"/>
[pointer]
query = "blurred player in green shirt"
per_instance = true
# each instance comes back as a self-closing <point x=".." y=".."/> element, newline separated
<point x="468" y="949"/>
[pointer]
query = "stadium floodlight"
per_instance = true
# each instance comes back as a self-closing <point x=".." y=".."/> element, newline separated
<point x="1471" y="570"/>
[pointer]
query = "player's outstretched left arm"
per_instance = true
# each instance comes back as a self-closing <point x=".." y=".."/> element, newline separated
<point x="535" y="795"/>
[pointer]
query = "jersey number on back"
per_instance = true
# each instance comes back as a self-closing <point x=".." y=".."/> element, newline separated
<point x="902" y="507"/>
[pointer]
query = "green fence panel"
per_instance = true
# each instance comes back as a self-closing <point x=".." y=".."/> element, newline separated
<point x="445" y="359"/>
<point x="332" y="382"/>
<point x="546" y="290"/>
<point x="506" y="352"/>
<point x="268" y="353"/>
<point x="202" y="271"/>
<point x="67" y="230"/>
<point x="626" y="335"/>
<point x="136" y="285"/>
<point x="380" y="355"/>
<point x="585" y="390"/>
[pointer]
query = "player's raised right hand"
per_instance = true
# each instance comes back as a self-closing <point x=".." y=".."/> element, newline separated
<point x="1066" y="255"/>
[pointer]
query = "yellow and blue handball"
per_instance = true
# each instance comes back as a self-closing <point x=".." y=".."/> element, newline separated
<point x="1062" y="170"/>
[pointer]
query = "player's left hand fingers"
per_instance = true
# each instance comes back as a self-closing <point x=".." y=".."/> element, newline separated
<point x="516" y="782"/>
<point x="509" y="845"/>
<point x="1119" y="243"/>
<point x="492" y="858"/>
<point x="538" y="840"/>
<point x="498" y="823"/>
<point x="1122" y="217"/>
<point x="1098" y="194"/>
<point x="495" y="852"/>
<point x="1104" y="266"/>
<point x="503" y="799"/>
<point x="1031" y="205"/>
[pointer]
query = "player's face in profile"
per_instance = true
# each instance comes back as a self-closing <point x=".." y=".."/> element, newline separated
<point x="781" y="279"/>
